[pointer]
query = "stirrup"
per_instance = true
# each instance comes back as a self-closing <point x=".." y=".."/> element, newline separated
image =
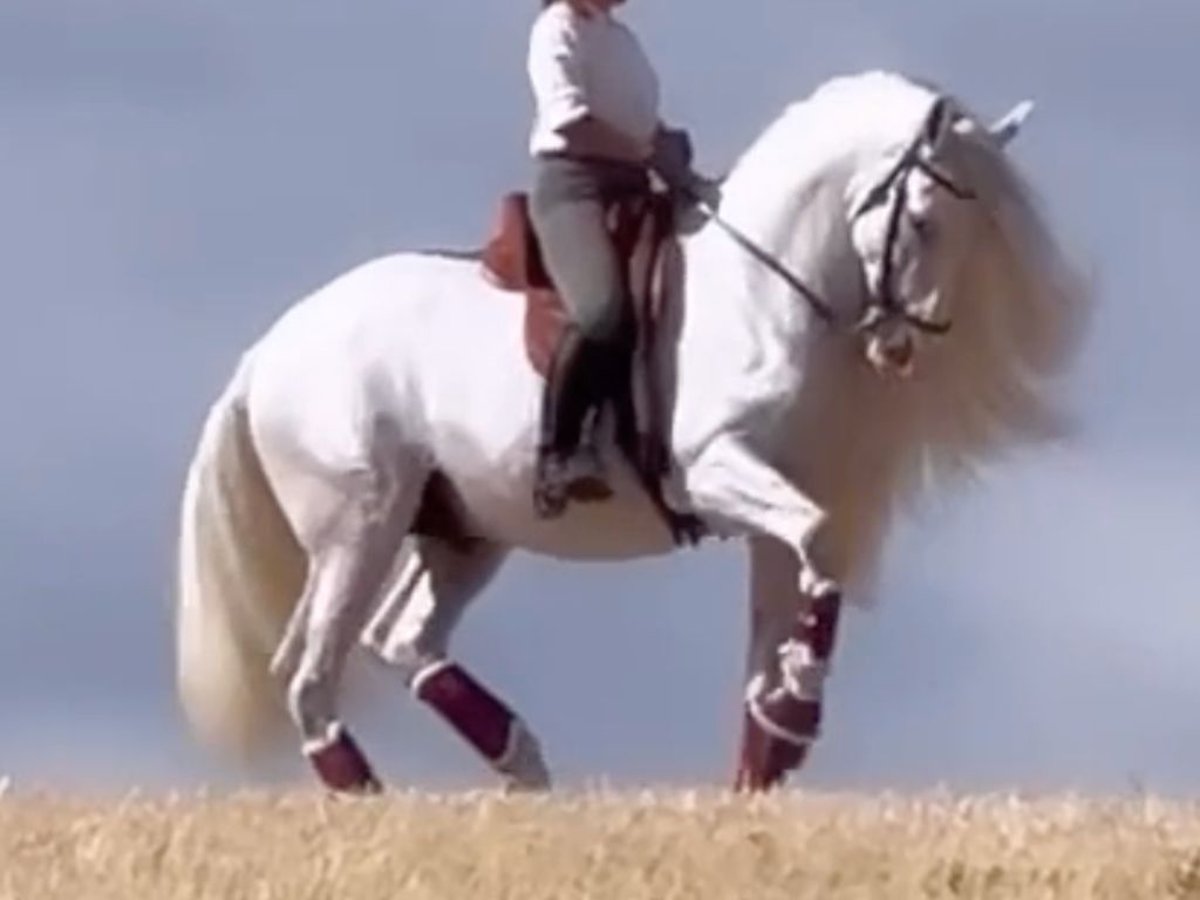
<point x="558" y="480"/>
<point x="583" y="475"/>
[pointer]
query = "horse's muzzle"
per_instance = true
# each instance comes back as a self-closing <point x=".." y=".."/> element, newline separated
<point x="893" y="357"/>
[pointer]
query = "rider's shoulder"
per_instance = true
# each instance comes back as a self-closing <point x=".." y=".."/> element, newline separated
<point x="557" y="19"/>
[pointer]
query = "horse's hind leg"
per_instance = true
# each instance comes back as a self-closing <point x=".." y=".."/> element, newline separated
<point x="412" y="632"/>
<point x="347" y="574"/>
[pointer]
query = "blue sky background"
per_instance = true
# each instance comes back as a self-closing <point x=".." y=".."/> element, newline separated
<point x="173" y="175"/>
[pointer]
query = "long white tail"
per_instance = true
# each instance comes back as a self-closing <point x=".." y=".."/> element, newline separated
<point x="240" y="575"/>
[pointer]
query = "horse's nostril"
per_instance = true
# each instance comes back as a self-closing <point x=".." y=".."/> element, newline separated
<point x="893" y="357"/>
<point x="900" y="354"/>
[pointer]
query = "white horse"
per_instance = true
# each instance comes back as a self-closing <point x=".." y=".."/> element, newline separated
<point x="816" y="385"/>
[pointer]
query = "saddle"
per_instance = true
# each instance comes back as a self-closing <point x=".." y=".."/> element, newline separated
<point x="642" y="228"/>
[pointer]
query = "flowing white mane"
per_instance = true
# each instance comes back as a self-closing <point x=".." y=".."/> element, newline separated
<point x="1019" y="311"/>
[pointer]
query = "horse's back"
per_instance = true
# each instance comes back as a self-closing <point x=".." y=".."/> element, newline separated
<point x="379" y="350"/>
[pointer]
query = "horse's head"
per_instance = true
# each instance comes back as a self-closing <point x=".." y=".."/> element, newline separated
<point x="911" y="226"/>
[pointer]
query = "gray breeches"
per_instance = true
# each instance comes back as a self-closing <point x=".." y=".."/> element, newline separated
<point x="567" y="208"/>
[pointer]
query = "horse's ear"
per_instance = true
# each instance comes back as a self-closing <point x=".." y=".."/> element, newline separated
<point x="1008" y="126"/>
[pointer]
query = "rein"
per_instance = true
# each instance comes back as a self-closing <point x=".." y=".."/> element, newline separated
<point x="909" y="161"/>
<point x="819" y="305"/>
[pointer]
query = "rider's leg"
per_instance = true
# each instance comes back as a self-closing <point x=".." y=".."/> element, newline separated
<point x="568" y="208"/>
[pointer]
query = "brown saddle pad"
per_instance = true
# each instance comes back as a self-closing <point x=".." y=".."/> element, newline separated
<point x="512" y="260"/>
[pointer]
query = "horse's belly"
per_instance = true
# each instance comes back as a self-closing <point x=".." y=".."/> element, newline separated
<point x="494" y="499"/>
<point x="619" y="528"/>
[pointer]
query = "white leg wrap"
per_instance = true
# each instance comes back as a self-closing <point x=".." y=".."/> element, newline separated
<point x="763" y="721"/>
<point x="803" y="675"/>
<point x="757" y="696"/>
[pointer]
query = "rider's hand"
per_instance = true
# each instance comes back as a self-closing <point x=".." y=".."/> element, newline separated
<point x="672" y="156"/>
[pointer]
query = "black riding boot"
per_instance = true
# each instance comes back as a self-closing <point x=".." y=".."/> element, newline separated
<point x="569" y="464"/>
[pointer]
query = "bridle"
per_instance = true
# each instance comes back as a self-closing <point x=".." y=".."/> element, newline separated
<point x="884" y="305"/>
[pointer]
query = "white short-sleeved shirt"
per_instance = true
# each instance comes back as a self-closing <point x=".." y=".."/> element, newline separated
<point x="579" y="65"/>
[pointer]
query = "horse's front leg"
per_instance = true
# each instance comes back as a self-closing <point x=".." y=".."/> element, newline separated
<point x="791" y="639"/>
<point x="734" y="490"/>
<point x="794" y="604"/>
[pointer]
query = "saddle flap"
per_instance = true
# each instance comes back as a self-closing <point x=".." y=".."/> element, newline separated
<point x="640" y="229"/>
<point x="511" y="256"/>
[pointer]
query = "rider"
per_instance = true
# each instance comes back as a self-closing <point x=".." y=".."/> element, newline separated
<point x="595" y="135"/>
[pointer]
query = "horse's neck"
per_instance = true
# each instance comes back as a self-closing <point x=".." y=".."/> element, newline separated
<point x="787" y="195"/>
<point x="752" y="341"/>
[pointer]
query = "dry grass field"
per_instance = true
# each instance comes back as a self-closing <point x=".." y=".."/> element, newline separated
<point x="667" y="846"/>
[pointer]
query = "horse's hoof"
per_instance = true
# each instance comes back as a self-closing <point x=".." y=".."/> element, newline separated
<point x="524" y="767"/>
<point x="780" y="732"/>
